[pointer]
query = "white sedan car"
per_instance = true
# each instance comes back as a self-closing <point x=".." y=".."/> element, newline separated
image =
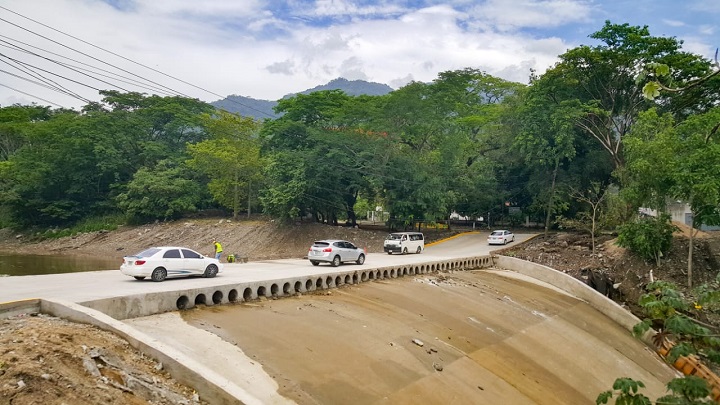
<point x="335" y="252"/>
<point x="158" y="263"/>
<point x="500" y="237"/>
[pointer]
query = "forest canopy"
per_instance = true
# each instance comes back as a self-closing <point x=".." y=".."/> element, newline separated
<point x="466" y="143"/>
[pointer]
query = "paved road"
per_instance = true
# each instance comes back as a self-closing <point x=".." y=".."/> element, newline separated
<point x="87" y="286"/>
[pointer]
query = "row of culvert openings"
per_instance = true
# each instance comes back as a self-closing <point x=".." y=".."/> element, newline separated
<point x="217" y="297"/>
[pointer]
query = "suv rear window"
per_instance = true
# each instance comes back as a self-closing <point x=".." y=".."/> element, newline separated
<point x="321" y="244"/>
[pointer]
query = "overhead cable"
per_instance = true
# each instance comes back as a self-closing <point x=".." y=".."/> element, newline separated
<point x="30" y="95"/>
<point x="124" y="58"/>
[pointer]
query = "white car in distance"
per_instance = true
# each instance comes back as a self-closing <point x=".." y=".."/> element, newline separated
<point x="159" y="263"/>
<point x="500" y="237"/>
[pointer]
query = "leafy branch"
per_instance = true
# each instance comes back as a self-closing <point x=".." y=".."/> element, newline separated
<point x="651" y="90"/>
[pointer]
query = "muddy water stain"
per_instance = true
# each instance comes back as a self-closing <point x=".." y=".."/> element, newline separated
<point x="466" y="337"/>
<point x="26" y="265"/>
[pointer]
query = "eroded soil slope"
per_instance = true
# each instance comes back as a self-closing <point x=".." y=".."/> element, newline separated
<point x="255" y="239"/>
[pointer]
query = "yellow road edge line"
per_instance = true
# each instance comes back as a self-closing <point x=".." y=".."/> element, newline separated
<point x="19" y="301"/>
<point x="451" y="237"/>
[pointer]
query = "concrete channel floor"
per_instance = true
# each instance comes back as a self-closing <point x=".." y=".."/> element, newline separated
<point x="487" y="336"/>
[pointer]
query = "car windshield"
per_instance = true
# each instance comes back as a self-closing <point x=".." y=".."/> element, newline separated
<point x="148" y="252"/>
<point x="394" y="236"/>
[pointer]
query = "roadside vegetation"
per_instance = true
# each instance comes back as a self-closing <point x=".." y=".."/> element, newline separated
<point x="627" y="123"/>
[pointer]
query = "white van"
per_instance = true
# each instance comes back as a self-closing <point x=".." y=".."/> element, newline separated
<point x="404" y="242"/>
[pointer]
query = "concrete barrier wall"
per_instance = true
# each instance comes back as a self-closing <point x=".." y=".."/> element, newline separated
<point x="133" y="306"/>
<point x="575" y="287"/>
<point x="14" y="308"/>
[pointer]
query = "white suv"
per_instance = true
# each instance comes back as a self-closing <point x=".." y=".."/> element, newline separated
<point x="335" y="252"/>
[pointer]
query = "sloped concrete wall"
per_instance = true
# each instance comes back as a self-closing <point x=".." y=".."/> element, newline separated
<point x="575" y="287"/>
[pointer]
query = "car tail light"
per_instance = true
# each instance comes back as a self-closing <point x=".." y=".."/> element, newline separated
<point x="327" y="249"/>
<point x="139" y="262"/>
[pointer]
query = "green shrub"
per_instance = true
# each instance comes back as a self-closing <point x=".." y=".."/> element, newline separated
<point x="648" y="237"/>
<point x="108" y="222"/>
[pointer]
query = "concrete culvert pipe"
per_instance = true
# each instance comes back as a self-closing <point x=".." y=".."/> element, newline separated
<point x="200" y="299"/>
<point x="182" y="302"/>
<point x="217" y="297"/>
<point x="233" y="295"/>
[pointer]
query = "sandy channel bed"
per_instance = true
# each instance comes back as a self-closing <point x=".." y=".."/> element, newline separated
<point x="461" y="338"/>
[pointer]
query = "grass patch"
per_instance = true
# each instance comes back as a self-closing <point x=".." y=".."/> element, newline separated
<point x="90" y="224"/>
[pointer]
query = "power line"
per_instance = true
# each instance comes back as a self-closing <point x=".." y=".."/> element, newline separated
<point x="46" y="82"/>
<point x="124" y="58"/>
<point x="47" y="71"/>
<point x="28" y="94"/>
<point x="80" y="52"/>
<point x="127" y="80"/>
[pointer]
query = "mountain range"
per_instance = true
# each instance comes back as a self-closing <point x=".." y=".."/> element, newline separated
<point x="261" y="109"/>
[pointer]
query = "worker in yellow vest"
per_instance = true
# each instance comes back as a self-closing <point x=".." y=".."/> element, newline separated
<point x="218" y="249"/>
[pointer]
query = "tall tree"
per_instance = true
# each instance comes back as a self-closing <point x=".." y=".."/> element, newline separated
<point x="603" y="79"/>
<point x="546" y="136"/>
<point x="230" y="158"/>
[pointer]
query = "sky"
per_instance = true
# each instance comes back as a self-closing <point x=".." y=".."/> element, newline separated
<point x="61" y="52"/>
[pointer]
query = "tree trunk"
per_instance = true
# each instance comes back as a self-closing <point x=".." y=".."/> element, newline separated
<point x="690" y="254"/>
<point x="236" y="197"/>
<point x="550" y="199"/>
<point x="248" y="202"/>
<point x="592" y="229"/>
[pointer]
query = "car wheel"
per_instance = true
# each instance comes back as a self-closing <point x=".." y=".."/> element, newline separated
<point x="210" y="271"/>
<point x="336" y="261"/>
<point x="419" y="249"/>
<point x="513" y="239"/>
<point x="504" y="241"/>
<point x="389" y="253"/>
<point x="314" y="262"/>
<point x="361" y="259"/>
<point x="158" y="274"/>
<point x="404" y="251"/>
<point x="139" y="278"/>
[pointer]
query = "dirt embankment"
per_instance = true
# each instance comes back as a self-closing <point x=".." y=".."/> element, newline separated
<point x="617" y="273"/>
<point x="254" y="239"/>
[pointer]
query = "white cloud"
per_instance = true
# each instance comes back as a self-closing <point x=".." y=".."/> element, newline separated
<point x="673" y="23"/>
<point x="511" y="15"/>
<point x="351" y="8"/>
<point x="268" y="48"/>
